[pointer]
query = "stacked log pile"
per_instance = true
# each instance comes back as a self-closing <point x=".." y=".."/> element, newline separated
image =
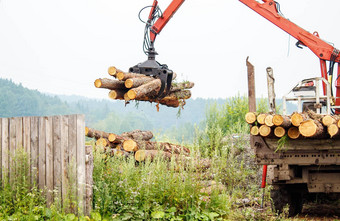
<point x="139" y="87"/>
<point x="297" y="125"/>
<point x="136" y="143"/>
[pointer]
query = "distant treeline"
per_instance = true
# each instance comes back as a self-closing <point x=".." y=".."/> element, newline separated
<point x="105" y="114"/>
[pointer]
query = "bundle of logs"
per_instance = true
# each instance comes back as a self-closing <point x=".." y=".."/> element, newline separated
<point x="298" y="125"/>
<point x="139" y="87"/>
<point x="136" y="143"/>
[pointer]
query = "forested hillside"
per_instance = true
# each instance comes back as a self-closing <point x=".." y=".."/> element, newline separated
<point x="105" y="114"/>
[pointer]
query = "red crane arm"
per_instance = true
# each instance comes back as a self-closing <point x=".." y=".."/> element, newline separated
<point x="162" y="21"/>
<point x="323" y="50"/>
<point x="269" y="11"/>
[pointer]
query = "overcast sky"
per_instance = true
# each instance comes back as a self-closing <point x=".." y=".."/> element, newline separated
<point x="62" y="46"/>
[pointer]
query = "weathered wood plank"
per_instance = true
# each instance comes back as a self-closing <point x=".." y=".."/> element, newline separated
<point x="64" y="158"/>
<point x="72" y="143"/>
<point x="42" y="153"/>
<point x="89" y="179"/>
<point x="81" y="162"/>
<point x="49" y="160"/>
<point x="34" y="145"/>
<point x="57" y="174"/>
<point x="5" y="148"/>
<point x="12" y="148"/>
<point x="26" y="130"/>
<point x="18" y="133"/>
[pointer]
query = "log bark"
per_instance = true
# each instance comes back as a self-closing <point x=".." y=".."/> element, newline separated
<point x="109" y="84"/>
<point x="145" y="89"/>
<point x="138" y="135"/>
<point x="269" y="120"/>
<point x="181" y="86"/>
<point x="92" y="133"/>
<point x="136" y="82"/>
<point x="279" y="132"/>
<point x="124" y="76"/>
<point x="265" y="131"/>
<point x="142" y="155"/>
<point x="254" y="130"/>
<point x="113" y="71"/>
<point x="293" y="133"/>
<point x="283" y="121"/>
<point x="134" y="145"/>
<point x="311" y="128"/>
<point x="298" y="118"/>
<point x="250" y="117"/>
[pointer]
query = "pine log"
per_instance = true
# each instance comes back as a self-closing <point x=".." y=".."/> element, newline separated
<point x="109" y="84"/>
<point x="117" y="94"/>
<point x="142" y="155"/>
<point x="293" y="133"/>
<point x="89" y="132"/>
<point x="113" y="71"/>
<point x="283" y="121"/>
<point x="279" y="132"/>
<point x="311" y="128"/>
<point x="250" y="117"/>
<point x="124" y="76"/>
<point x="181" y="86"/>
<point x="138" y="135"/>
<point x="260" y="118"/>
<point x="254" y="130"/>
<point x="184" y="94"/>
<point x="269" y="120"/>
<point x="143" y="90"/>
<point x="298" y="118"/>
<point x="333" y="130"/>
<point x="265" y="131"/>
<point x="134" y="145"/>
<point x="136" y="82"/>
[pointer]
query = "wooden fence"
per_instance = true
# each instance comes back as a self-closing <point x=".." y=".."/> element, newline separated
<point x="56" y="149"/>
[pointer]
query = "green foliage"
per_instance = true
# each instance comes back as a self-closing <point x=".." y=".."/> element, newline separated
<point x="222" y="120"/>
<point x="16" y="100"/>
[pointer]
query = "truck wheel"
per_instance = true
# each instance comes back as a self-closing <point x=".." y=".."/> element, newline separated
<point x="282" y="196"/>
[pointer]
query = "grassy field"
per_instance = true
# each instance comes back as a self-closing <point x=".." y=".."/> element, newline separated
<point x="229" y="189"/>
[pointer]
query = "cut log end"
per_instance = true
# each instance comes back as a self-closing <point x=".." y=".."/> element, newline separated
<point x="333" y="130"/>
<point x="129" y="83"/>
<point x="269" y="120"/>
<point x="112" y="137"/>
<point x="277" y="120"/>
<point x="101" y="142"/>
<point x="131" y="94"/>
<point x="130" y="146"/>
<point x="293" y="133"/>
<point x="140" y="155"/>
<point x="297" y="119"/>
<point x="254" y="130"/>
<point x="279" y="132"/>
<point x="120" y="75"/>
<point x="250" y="117"/>
<point x="112" y="71"/>
<point x="265" y="131"/>
<point x="308" y="128"/>
<point x="261" y="118"/>
<point x="98" y="83"/>
<point x="86" y="131"/>
<point x="327" y="120"/>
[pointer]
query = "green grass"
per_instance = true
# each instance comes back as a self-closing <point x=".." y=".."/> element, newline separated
<point x="161" y="190"/>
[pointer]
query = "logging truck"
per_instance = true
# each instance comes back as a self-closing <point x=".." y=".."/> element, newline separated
<point x="306" y="164"/>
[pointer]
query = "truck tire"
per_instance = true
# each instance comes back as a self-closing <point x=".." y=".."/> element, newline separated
<point x="282" y="196"/>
